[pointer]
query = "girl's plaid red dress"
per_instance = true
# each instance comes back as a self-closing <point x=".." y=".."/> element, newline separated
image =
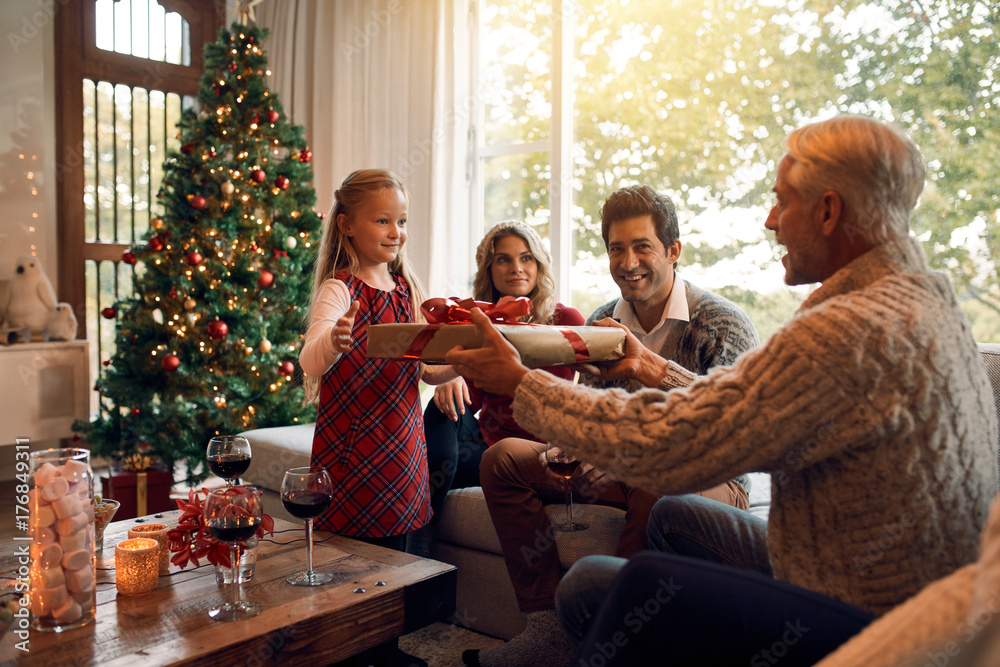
<point x="369" y="430"/>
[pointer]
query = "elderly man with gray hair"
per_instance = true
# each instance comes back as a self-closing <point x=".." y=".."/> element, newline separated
<point x="870" y="408"/>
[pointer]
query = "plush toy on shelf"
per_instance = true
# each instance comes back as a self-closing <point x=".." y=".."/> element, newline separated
<point x="62" y="324"/>
<point x="31" y="301"/>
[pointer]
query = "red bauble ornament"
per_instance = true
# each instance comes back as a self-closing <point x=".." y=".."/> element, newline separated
<point x="256" y="119"/>
<point x="194" y="258"/>
<point x="305" y="155"/>
<point x="286" y="368"/>
<point x="134" y="340"/>
<point x="187" y="148"/>
<point x="272" y="116"/>
<point x="128" y="257"/>
<point x="211" y="152"/>
<point x="170" y="363"/>
<point x="218" y="329"/>
<point x="106" y="362"/>
<point x="266" y="278"/>
<point x="135" y="411"/>
<point x="282" y="182"/>
<point x="173" y="292"/>
<point x="109" y="313"/>
<point x="258" y="175"/>
<point x="155" y="243"/>
<point x="232" y="67"/>
<point x="198" y="202"/>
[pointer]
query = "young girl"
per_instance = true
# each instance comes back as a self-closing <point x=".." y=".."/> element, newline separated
<point x="510" y="261"/>
<point x="369" y="432"/>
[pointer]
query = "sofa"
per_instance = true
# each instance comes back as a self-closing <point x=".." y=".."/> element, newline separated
<point x="465" y="538"/>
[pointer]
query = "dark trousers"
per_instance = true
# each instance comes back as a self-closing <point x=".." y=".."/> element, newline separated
<point x="454" y="450"/>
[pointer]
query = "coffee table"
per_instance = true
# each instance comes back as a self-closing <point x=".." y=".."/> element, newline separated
<point x="377" y="595"/>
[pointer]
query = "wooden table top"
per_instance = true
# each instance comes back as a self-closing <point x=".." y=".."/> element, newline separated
<point x="377" y="595"/>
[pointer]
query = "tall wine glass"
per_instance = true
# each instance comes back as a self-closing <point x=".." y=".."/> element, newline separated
<point x="564" y="465"/>
<point x="306" y="493"/>
<point x="233" y="514"/>
<point x="228" y="457"/>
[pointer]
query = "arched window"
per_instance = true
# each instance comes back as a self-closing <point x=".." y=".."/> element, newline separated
<point x="124" y="71"/>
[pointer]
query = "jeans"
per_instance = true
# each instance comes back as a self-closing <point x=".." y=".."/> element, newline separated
<point x="707" y="598"/>
<point x="454" y="450"/>
<point x="690" y="525"/>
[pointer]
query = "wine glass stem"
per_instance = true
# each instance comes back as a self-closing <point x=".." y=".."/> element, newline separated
<point x="234" y="565"/>
<point x="569" y="506"/>
<point x="309" y="546"/>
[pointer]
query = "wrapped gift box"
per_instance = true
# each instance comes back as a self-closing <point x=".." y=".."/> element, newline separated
<point x="139" y="493"/>
<point x="538" y="345"/>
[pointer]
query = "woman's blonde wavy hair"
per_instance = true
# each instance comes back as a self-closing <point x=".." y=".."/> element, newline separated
<point x="543" y="297"/>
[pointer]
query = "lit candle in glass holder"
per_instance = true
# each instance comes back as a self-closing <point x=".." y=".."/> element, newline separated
<point x="158" y="532"/>
<point x="137" y="565"/>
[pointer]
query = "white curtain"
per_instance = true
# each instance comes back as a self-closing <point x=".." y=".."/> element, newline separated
<point x="384" y="83"/>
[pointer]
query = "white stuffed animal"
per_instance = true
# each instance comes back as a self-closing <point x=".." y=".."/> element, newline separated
<point x="31" y="300"/>
<point x="62" y="324"/>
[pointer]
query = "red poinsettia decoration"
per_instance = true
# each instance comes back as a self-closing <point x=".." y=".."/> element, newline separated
<point x="190" y="540"/>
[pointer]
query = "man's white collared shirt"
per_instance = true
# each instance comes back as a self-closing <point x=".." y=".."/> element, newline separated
<point x="675" y="309"/>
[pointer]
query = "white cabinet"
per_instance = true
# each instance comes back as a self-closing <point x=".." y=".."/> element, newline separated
<point x="44" y="387"/>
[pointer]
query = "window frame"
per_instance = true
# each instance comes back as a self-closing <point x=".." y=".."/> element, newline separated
<point x="77" y="58"/>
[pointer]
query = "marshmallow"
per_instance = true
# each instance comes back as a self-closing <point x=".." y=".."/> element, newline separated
<point x="53" y="597"/>
<point x="89" y="511"/>
<point x="73" y="470"/>
<point x="43" y="516"/>
<point x="75" y="560"/>
<point x="79" y="580"/>
<point x="71" y="524"/>
<point x="52" y="577"/>
<point x="42" y="534"/>
<point x="48" y="555"/>
<point x="68" y="505"/>
<point x="86" y="596"/>
<point x="69" y="612"/>
<point x="74" y="541"/>
<point x="36" y="499"/>
<point x="55" y="489"/>
<point x="44" y="474"/>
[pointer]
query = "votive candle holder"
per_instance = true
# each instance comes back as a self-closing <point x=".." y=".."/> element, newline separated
<point x="137" y="565"/>
<point x="158" y="532"/>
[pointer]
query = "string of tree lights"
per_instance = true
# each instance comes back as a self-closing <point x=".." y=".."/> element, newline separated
<point x="209" y="341"/>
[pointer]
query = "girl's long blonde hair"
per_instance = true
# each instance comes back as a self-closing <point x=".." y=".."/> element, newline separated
<point x="543" y="297"/>
<point x="336" y="250"/>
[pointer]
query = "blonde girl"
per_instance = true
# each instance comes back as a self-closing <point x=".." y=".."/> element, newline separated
<point x="369" y="431"/>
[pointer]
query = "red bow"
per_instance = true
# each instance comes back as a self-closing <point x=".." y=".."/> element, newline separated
<point x="442" y="312"/>
<point x="459" y="311"/>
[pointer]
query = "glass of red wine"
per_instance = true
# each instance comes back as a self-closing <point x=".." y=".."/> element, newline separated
<point x="233" y="514"/>
<point x="228" y="457"/>
<point x="306" y="493"/>
<point x="564" y="465"/>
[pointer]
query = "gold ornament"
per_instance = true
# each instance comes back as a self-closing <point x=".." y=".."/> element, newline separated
<point x="264" y="346"/>
<point x="156" y="223"/>
<point x="189" y="304"/>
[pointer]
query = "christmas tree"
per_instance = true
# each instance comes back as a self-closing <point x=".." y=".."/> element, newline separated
<point x="208" y="343"/>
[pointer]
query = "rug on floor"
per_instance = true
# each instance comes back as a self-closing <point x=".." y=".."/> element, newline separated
<point x="441" y="644"/>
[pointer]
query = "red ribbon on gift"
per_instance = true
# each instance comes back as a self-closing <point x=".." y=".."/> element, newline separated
<point x="443" y="312"/>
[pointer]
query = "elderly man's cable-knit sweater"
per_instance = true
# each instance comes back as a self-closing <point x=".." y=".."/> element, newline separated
<point x="870" y="407"/>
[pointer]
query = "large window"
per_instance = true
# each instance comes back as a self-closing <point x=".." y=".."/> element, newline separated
<point x="693" y="97"/>
<point x="126" y="69"/>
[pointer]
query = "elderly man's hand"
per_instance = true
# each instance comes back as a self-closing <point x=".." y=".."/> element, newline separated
<point x="495" y="367"/>
<point x="639" y="363"/>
